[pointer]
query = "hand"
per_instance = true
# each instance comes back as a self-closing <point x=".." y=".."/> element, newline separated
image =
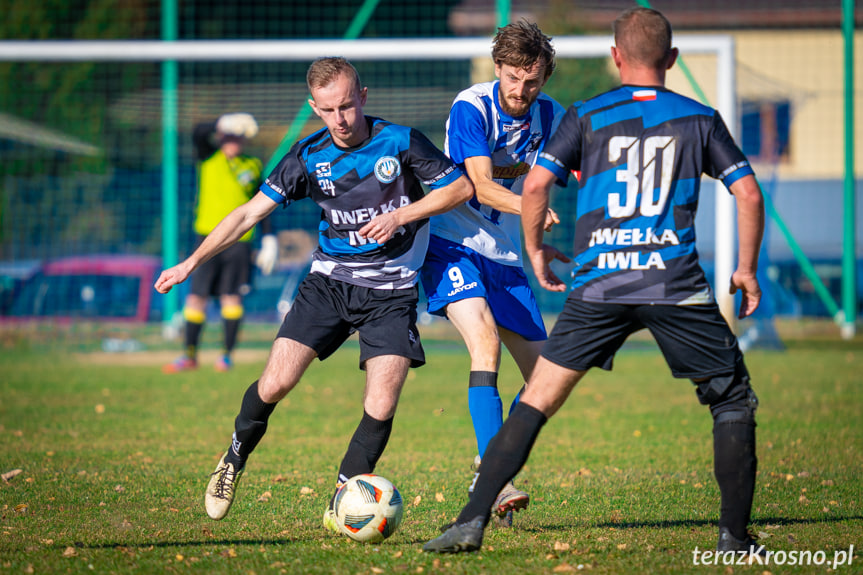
<point x="171" y="277"/>
<point x="551" y="218"/>
<point x="240" y="124"/>
<point x="747" y="283"/>
<point x="541" y="267"/>
<point x="382" y="227"/>
<point x="268" y="254"/>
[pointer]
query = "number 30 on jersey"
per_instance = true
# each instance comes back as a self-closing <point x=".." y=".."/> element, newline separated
<point x="641" y="159"/>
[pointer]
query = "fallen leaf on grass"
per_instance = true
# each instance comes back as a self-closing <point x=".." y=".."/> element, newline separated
<point x="306" y="490"/>
<point x="10" y="474"/>
<point x="377" y="570"/>
<point x="564" y="568"/>
<point x="561" y="546"/>
<point x="438" y="497"/>
<point x="265" y="496"/>
<point x="100" y="408"/>
<point x="417" y="500"/>
<point x="21" y="508"/>
<point x="70" y="552"/>
<point x="230" y="553"/>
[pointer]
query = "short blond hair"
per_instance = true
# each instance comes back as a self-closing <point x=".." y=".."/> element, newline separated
<point x="326" y="69"/>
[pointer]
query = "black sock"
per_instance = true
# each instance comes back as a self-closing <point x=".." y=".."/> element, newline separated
<point x="192" y="338"/>
<point x="735" y="465"/>
<point x="232" y="330"/>
<point x="366" y="447"/>
<point x="506" y="455"/>
<point x="249" y="426"/>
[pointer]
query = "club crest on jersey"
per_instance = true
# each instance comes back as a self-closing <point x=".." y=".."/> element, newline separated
<point x="387" y="169"/>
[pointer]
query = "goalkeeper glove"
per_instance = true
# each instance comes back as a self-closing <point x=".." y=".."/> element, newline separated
<point x="268" y="254"/>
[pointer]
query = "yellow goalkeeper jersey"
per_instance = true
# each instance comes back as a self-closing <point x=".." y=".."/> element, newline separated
<point x="224" y="185"/>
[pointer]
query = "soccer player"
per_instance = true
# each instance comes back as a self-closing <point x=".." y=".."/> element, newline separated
<point x="366" y="174"/>
<point x="473" y="273"/>
<point x="641" y="150"/>
<point x="227" y="178"/>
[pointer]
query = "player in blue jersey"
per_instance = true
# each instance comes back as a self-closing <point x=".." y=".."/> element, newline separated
<point x="641" y="150"/>
<point x="474" y="273"/>
<point x="366" y="175"/>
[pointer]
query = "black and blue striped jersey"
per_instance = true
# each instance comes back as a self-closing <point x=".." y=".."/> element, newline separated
<point x="641" y="152"/>
<point x="352" y="186"/>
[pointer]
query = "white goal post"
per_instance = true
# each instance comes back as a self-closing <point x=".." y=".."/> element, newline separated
<point x="722" y="46"/>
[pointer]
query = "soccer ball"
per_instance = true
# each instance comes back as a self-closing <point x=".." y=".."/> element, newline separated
<point x="368" y="508"/>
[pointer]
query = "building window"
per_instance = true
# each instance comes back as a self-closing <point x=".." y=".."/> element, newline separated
<point x="766" y="129"/>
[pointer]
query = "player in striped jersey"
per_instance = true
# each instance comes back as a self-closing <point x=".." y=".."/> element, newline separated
<point x="474" y="273"/>
<point x="366" y="174"/>
<point x="641" y="150"/>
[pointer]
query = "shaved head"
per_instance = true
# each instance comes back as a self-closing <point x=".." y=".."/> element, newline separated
<point x="643" y="37"/>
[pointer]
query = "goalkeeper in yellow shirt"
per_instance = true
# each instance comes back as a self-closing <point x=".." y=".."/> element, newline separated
<point x="227" y="178"/>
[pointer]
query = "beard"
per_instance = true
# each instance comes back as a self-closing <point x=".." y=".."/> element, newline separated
<point x="514" y="109"/>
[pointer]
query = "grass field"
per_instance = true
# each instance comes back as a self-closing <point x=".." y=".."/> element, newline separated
<point x="115" y="456"/>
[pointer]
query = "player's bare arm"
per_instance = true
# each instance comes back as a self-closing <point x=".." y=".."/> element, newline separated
<point x="750" y="230"/>
<point x="534" y="207"/>
<point x="438" y="201"/>
<point x="228" y="232"/>
<point x="494" y="195"/>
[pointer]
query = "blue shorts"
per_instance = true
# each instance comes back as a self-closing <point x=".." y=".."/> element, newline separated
<point x="453" y="272"/>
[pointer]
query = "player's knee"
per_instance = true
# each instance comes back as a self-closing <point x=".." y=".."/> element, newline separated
<point x="730" y="396"/>
<point x="232" y="311"/>
<point x="194" y="315"/>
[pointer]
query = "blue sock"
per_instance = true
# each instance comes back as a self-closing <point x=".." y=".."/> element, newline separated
<point x="486" y="408"/>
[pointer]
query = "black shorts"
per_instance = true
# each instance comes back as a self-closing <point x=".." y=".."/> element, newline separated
<point x="326" y="312"/>
<point x="695" y="339"/>
<point x="227" y="273"/>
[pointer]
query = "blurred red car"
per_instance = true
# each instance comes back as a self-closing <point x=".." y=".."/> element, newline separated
<point x="97" y="287"/>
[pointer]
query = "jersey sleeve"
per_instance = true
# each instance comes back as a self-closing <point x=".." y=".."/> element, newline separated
<point x="467" y="132"/>
<point x="562" y="153"/>
<point x="430" y="165"/>
<point x="724" y="160"/>
<point x="288" y="182"/>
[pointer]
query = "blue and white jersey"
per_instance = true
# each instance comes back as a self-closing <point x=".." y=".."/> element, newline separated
<point x="641" y="152"/>
<point x="477" y="126"/>
<point x="354" y="185"/>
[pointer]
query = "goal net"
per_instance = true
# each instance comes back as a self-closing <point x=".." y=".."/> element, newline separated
<point x="90" y="127"/>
